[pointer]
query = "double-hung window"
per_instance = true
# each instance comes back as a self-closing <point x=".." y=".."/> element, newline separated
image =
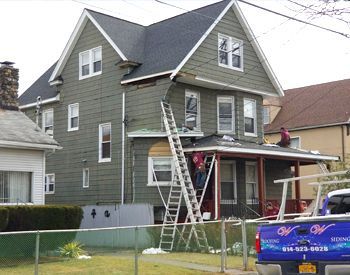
<point x="228" y="182"/>
<point x="15" y="187"/>
<point x="251" y="182"/>
<point x="226" y="118"/>
<point x="90" y="63"/>
<point x="192" y="110"/>
<point x="86" y="177"/>
<point x="50" y="183"/>
<point x="73" y="117"/>
<point x="160" y="170"/>
<point x="230" y="52"/>
<point x="250" y="127"/>
<point x="48" y="122"/>
<point x="105" y="142"/>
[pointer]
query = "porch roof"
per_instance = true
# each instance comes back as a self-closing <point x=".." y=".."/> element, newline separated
<point x="249" y="149"/>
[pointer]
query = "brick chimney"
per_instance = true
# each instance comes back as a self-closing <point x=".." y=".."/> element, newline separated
<point x="8" y="86"/>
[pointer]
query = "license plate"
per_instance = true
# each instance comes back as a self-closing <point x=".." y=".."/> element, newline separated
<point x="307" y="268"/>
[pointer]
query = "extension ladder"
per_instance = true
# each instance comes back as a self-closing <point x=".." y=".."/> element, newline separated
<point x="323" y="167"/>
<point x="187" y="231"/>
<point x="183" y="183"/>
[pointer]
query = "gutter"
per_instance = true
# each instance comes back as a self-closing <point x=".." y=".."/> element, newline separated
<point x="45" y="101"/>
<point x="27" y="145"/>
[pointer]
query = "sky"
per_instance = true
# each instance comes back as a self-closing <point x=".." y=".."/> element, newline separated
<point x="34" y="34"/>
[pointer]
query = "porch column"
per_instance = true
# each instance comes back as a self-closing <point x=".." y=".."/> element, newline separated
<point x="218" y="195"/>
<point x="297" y="185"/>
<point x="261" y="185"/>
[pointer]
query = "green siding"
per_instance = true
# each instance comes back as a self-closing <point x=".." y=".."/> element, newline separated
<point x="204" y="61"/>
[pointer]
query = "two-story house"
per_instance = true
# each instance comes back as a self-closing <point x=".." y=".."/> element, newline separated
<point x="101" y="101"/>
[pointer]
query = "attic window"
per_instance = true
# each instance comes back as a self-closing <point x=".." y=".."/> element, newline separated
<point x="90" y="63"/>
<point x="230" y="52"/>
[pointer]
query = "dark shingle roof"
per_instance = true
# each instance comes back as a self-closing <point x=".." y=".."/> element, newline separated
<point x="15" y="126"/>
<point x="40" y="87"/>
<point x="316" y="105"/>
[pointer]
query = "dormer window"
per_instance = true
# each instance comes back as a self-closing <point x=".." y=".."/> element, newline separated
<point x="90" y="63"/>
<point x="230" y="52"/>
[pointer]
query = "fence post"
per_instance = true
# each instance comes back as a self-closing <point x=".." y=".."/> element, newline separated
<point x="37" y="246"/>
<point x="245" y="245"/>
<point x="223" y="245"/>
<point x="136" y="249"/>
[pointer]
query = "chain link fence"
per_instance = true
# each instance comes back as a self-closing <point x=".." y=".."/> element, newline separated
<point x="126" y="250"/>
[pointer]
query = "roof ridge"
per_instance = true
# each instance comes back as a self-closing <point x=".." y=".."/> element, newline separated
<point x="318" y="84"/>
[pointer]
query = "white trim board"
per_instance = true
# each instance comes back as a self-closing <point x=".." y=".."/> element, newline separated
<point x="145" y="77"/>
<point x="162" y="134"/>
<point x="27" y="145"/>
<point x="45" y="101"/>
<point x="73" y="40"/>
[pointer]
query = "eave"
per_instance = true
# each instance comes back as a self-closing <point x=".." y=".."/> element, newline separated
<point x="28" y="145"/>
<point x="45" y="101"/>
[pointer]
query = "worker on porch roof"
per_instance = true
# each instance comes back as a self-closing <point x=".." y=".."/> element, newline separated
<point x="200" y="173"/>
<point x="285" y="138"/>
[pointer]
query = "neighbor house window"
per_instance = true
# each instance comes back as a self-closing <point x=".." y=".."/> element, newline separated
<point x="15" y="187"/>
<point x="228" y="182"/>
<point x="48" y="122"/>
<point x="230" y="52"/>
<point x="73" y="117"/>
<point x="105" y="142"/>
<point x="295" y="142"/>
<point x="90" y="63"/>
<point x="50" y="183"/>
<point x="226" y="121"/>
<point x="192" y="117"/>
<point x="86" y="177"/>
<point x="250" y="127"/>
<point x="266" y="115"/>
<point x="160" y="170"/>
<point x="251" y="182"/>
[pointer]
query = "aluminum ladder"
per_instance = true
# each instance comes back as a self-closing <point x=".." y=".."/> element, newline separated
<point x="323" y="167"/>
<point x="181" y="186"/>
<point x="187" y="231"/>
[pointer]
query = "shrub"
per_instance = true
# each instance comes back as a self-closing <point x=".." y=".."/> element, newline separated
<point x="72" y="250"/>
<point x="4" y="218"/>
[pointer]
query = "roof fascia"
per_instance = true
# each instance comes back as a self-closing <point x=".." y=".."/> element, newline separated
<point x="162" y="134"/>
<point x="145" y="77"/>
<point x="310" y="127"/>
<point x="264" y="62"/>
<point x="73" y="40"/>
<point x="45" y="101"/>
<point x="27" y="145"/>
<point x="200" y="41"/>
<point x="261" y="152"/>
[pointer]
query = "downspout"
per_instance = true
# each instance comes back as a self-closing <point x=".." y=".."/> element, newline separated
<point x="123" y="149"/>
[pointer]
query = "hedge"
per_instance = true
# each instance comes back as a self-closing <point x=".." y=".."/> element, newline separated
<point x="4" y="218"/>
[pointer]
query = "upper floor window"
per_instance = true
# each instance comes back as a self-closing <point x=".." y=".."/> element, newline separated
<point x="230" y="52"/>
<point x="250" y="127"/>
<point x="266" y="115"/>
<point x="48" y="122"/>
<point x="225" y="109"/>
<point x="105" y="142"/>
<point x="90" y="63"/>
<point x="50" y="183"/>
<point x="160" y="170"/>
<point x="73" y="117"/>
<point x="295" y="142"/>
<point x="192" y="113"/>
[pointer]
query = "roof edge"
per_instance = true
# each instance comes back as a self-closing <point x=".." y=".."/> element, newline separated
<point x="27" y="145"/>
<point x="310" y="127"/>
<point x="45" y="101"/>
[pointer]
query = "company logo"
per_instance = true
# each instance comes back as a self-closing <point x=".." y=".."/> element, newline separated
<point x="317" y="229"/>
<point x="285" y="231"/>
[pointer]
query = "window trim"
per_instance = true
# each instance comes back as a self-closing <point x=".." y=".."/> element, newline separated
<point x="70" y="128"/>
<point x="91" y="63"/>
<point x="189" y="93"/>
<point x="100" y="159"/>
<point x="248" y="134"/>
<point x="295" y="137"/>
<point x="233" y="124"/>
<point x="84" y="178"/>
<point x="46" y="184"/>
<point x="252" y="163"/>
<point x="234" y="166"/>
<point x="231" y="40"/>
<point x="150" y="181"/>
<point x="45" y="112"/>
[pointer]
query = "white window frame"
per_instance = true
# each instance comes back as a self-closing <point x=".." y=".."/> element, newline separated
<point x="190" y="93"/>
<point x="91" y="63"/>
<point x="252" y="163"/>
<point x="266" y="115"/>
<point x="295" y="138"/>
<point x="70" y="106"/>
<point x="86" y="177"/>
<point x="150" y="171"/>
<point x="100" y="159"/>
<point x="231" y="40"/>
<point x="45" y="113"/>
<point x="226" y="99"/>
<point x="254" y="117"/>
<point x="230" y="201"/>
<point x="47" y="184"/>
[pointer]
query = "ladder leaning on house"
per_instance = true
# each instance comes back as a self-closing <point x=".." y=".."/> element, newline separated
<point x="182" y="185"/>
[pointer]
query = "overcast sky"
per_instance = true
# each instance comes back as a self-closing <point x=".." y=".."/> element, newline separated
<point x="34" y="34"/>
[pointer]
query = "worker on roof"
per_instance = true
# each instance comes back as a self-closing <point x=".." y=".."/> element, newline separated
<point x="285" y="138"/>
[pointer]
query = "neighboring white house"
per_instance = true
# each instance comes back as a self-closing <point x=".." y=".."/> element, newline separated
<point x="23" y="146"/>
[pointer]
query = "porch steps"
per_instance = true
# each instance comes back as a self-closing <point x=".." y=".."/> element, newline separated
<point x="183" y="182"/>
<point x="188" y="230"/>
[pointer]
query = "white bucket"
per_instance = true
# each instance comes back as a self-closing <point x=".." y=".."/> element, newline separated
<point x="206" y="215"/>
